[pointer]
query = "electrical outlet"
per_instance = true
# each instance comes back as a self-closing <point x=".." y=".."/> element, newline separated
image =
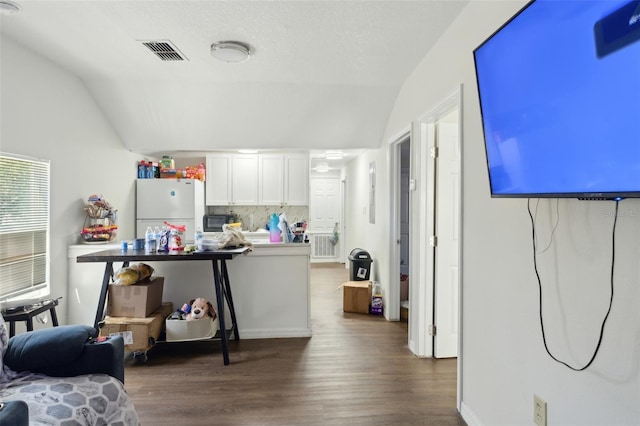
<point x="539" y="411"/>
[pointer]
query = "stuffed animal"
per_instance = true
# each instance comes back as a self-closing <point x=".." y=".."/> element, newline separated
<point x="201" y="307"/>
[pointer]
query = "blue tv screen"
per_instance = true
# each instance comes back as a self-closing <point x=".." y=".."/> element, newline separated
<point x="559" y="88"/>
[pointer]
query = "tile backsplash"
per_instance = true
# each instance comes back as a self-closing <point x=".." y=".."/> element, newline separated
<point x="255" y="217"/>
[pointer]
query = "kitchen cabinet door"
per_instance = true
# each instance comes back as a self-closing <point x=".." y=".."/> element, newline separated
<point x="271" y="179"/>
<point x="245" y="179"/>
<point x="218" y="190"/>
<point x="296" y="179"/>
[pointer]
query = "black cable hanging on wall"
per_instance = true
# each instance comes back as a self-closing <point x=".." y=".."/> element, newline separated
<point x="535" y="267"/>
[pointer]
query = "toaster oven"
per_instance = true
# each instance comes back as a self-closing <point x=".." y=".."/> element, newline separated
<point x="214" y="222"/>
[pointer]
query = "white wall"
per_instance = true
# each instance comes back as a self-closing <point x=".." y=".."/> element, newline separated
<point x="373" y="238"/>
<point x="48" y="113"/>
<point x="504" y="362"/>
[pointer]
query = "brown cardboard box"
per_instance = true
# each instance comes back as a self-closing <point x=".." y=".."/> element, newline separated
<point x="404" y="289"/>
<point x="136" y="300"/>
<point x="143" y="332"/>
<point x="356" y="296"/>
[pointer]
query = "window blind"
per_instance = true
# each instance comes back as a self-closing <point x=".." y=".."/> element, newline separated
<point x="24" y="225"/>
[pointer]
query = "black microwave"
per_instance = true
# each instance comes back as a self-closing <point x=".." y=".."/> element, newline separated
<point x="214" y="222"/>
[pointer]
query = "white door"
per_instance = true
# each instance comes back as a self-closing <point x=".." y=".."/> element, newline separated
<point x="447" y="226"/>
<point x="324" y="209"/>
<point x="324" y="215"/>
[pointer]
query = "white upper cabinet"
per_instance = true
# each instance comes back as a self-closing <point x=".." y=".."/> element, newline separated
<point x="271" y="179"/>
<point x="245" y="179"/>
<point x="232" y="179"/>
<point x="283" y="179"/>
<point x="218" y="184"/>
<point x="263" y="179"/>
<point x="296" y="179"/>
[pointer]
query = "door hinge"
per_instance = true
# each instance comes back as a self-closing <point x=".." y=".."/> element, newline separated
<point x="433" y="241"/>
<point x="434" y="152"/>
<point x="432" y="330"/>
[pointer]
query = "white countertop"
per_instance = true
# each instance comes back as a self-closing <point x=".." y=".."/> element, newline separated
<point x="262" y="246"/>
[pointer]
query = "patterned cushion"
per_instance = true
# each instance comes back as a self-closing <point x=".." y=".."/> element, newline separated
<point x="88" y="400"/>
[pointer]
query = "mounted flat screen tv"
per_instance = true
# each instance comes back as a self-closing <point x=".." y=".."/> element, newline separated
<point x="559" y="88"/>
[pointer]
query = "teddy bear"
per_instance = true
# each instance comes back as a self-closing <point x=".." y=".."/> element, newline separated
<point x="200" y="307"/>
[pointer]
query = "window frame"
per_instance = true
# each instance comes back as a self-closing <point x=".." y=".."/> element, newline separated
<point x="25" y="184"/>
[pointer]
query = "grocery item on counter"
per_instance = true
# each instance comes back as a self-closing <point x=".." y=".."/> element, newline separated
<point x="133" y="274"/>
<point x="149" y="240"/>
<point x="198" y="237"/>
<point x="176" y="236"/>
<point x="100" y="221"/>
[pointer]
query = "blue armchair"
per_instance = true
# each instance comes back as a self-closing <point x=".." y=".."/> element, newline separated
<point x="63" y="374"/>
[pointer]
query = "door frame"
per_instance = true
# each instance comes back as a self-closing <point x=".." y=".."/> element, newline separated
<point x="425" y="129"/>
<point x="421" y="227"/>
<point x="392" y="304"/>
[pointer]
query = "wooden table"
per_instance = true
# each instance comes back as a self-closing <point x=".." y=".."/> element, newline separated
<point x="221" y="281"/>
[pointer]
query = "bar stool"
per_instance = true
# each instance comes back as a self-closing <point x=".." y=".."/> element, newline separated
<point x="26" y="313"/>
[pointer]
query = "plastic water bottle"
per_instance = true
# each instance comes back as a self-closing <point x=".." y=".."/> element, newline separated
<point x="274" y="232"/>
<point x="157" y="235"/>
<point x="198" y="239"/>
<point x="149" y="240"/>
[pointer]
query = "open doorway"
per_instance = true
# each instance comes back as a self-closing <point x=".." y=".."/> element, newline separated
<point x="404" y="226"/>
<point x="435" y="233"/>
<point x="432" y="193"/>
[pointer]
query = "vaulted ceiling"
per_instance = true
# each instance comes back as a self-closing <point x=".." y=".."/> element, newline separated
<point x="322" y="74"/>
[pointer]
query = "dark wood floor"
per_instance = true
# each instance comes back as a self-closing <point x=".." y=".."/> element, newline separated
<point x="355" y="370"/>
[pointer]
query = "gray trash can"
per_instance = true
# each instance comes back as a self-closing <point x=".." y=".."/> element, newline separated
<point x="359" y="265"/>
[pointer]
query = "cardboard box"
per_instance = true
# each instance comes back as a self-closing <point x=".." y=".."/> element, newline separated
<point x="404" y="314"/>
<point x="183" y="330"/>
<point x="136" y="300"/>
<point x="139" y="334"/>
<point x="404" y="289"/>
<point x="356" y="296"/>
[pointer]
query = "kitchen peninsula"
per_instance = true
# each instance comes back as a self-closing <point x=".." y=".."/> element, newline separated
<point x="270" y="288"/>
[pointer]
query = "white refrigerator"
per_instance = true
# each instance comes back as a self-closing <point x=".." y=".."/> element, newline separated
<point x="176" y="201"/>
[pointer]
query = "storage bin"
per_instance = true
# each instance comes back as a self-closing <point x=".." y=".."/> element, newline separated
<point x="184" y="330"/>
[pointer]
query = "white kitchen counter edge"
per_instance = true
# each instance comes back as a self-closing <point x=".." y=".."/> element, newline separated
<point x="269" y="249"/>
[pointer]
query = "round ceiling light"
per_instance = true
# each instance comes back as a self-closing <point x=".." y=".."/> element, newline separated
<point x="322" y="168"/>
<point x="7" y="7"/>
<point x="230" y="51"/>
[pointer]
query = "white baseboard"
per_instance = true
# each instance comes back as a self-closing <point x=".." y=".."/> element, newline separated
<point x="469" y="416"/>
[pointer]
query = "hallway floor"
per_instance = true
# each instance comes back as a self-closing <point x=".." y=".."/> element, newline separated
<point x="356" y="369"/>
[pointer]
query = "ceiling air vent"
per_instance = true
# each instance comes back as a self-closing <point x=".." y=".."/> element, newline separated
<point x="165" y="50"/>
